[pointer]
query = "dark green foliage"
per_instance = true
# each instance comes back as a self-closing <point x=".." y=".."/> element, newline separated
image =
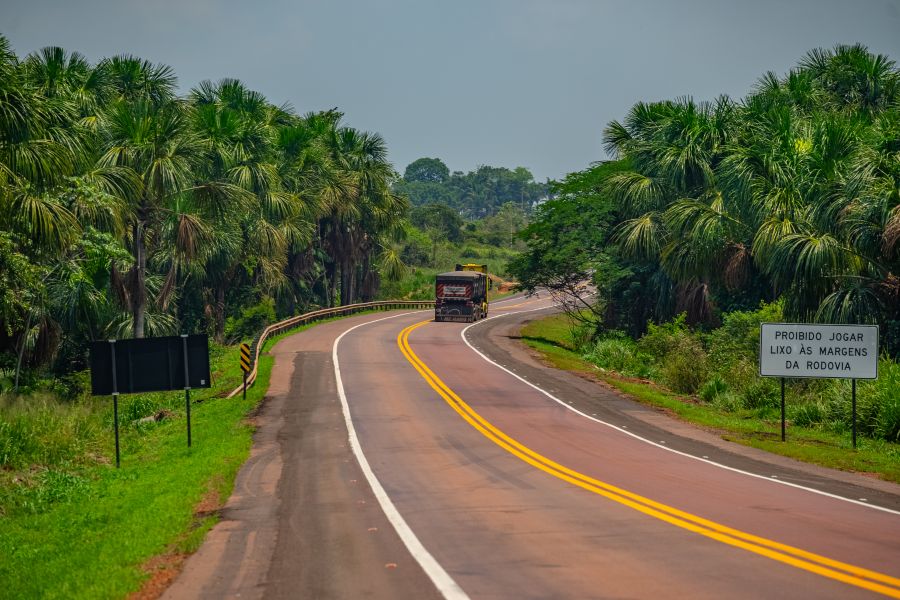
<point x="438" y="220"/>
<point x="251" y="321"/>
<point x="791" y="193"/>
<point x="477" y="194"/>
<point x="426" y="170"/>
<point x="126" y="210"/>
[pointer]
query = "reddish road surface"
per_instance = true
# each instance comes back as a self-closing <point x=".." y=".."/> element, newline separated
<point x="462" y="480"/>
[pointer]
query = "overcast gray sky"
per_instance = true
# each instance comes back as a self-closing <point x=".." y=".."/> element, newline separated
<point x="500" y="82"/>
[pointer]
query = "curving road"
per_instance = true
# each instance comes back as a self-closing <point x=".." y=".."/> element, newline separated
<point x="394" y="459"/>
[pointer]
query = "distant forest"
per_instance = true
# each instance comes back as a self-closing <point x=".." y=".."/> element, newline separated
<point x="476" y="194"/>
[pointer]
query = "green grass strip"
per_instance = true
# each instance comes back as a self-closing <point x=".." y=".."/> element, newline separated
<point x="94" y="541"/>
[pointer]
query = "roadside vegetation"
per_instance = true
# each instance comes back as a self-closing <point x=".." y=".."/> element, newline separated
<point x="127" y="210"/>
<point x="727" y="397"/>
<point x="714" y="217"/>
<point x="460" y="217"/>
<point x="73" y="526"/>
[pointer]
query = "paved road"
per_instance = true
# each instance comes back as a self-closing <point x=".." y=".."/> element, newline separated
<point x="486" y="487"/>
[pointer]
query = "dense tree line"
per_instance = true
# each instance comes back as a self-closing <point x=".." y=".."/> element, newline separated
<point x="477" y="194"/>
<point x="792" y="193"/>
<point x="126" y="210"/>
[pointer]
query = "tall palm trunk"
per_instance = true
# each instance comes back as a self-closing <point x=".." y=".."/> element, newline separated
<point x="139" y="293"/>
<point x="346" y="281"/>
<point x="330" y="282"/>
<point x="219" y="312"/>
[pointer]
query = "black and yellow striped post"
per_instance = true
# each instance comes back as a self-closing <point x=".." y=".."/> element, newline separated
<point x="245" y="365"/>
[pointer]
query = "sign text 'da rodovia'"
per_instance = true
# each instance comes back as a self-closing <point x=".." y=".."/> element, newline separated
<point x="827" y="351"/>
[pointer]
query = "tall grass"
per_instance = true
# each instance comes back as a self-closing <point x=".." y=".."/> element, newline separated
<point x="48" y="441"/>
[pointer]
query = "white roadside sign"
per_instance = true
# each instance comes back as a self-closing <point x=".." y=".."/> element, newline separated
<point x="826" y="351"/>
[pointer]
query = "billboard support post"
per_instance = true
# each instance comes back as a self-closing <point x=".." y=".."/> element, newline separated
<point x="854" y="413"/>
<point x="115" y="395"/>
<point x="187" y="387"/>
<point x="782" y="409"/>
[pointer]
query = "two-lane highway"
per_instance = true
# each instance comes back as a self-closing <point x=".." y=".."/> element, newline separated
<point x="484" y="486"/>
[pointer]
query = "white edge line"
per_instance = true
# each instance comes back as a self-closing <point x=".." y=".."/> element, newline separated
<point x="439" y="577"/>
<point x="645" y="440"/>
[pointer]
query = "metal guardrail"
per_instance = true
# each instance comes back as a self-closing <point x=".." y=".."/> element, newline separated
<point x="316" y="315"/>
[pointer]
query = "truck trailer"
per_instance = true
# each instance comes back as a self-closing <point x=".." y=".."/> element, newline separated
<point x="461" y="295"/>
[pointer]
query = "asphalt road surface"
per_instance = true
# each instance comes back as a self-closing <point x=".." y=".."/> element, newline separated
<point x="401" y="458"/>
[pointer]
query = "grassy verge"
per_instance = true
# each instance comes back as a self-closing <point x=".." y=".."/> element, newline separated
<point x="84" y="529"/>
<point x="552" y="338"/>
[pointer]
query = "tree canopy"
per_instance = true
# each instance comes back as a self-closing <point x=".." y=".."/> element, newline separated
<point x="792" y="192"/>
<point x="126" y="210"/>
<point x="429" y="170"/>
<point x="477" y="194"/>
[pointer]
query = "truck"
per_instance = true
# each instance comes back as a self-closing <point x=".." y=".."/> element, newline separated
<point x="461" y="295"/>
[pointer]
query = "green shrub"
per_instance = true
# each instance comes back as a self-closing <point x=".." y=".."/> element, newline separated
<point x="678" y="354"/>
<point x="738" y="337"/>
<point x="883" y="395"/>
<point x="252" y="320"/>
<point x="39" y="430"/>
<point x="137" y="407"/>
<point x="661" y="339"/>
<point x="761" y="394"/>
<point x="619" y="353"/>
<point x="713" y="388"/>
<point x="685" y="367"/>
<point x="809" y="414"/>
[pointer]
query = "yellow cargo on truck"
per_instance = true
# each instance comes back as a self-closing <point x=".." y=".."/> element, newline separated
<point x="461" y="295"/>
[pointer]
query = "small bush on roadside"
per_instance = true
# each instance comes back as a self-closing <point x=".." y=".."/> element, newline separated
<point x="619" y="353"/>
<point x="884" y="395"/>
<point x="762" y="393"/>
<point x="685" y="367"/>
<point x="41" y="430"/>
<point x="738" y="337"/>
<point x="713" y="388"/>
<point x="138" y="407"/>
<point x="809" y="414"/>
<point x="662" y="339"/>
<point x="251" y="321"/>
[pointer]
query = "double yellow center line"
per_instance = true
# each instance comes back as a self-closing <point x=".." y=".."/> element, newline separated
<point x="796" y="557"/>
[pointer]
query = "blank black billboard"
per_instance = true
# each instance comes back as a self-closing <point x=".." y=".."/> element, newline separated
<point x="149" y="364"/>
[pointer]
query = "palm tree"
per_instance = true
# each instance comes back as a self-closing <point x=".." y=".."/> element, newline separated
<point x="792" y="192"/>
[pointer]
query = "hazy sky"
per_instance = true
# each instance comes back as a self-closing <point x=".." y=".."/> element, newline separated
<point x="501" y="82"/>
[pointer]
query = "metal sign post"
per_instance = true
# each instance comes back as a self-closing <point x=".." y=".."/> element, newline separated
<point x="854" y="412"/>
<point x="782" y="410"/>
<point x="115" y="395"/>
<point x="187" y="386"/>
<point x="245" y="365"/>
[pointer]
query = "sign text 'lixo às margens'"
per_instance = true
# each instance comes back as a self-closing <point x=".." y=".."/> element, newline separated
<point x="827" y="351"/>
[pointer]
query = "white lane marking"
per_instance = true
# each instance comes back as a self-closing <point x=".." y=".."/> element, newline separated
<point x="439" y="577"/>
<point x="462" y="334"/>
